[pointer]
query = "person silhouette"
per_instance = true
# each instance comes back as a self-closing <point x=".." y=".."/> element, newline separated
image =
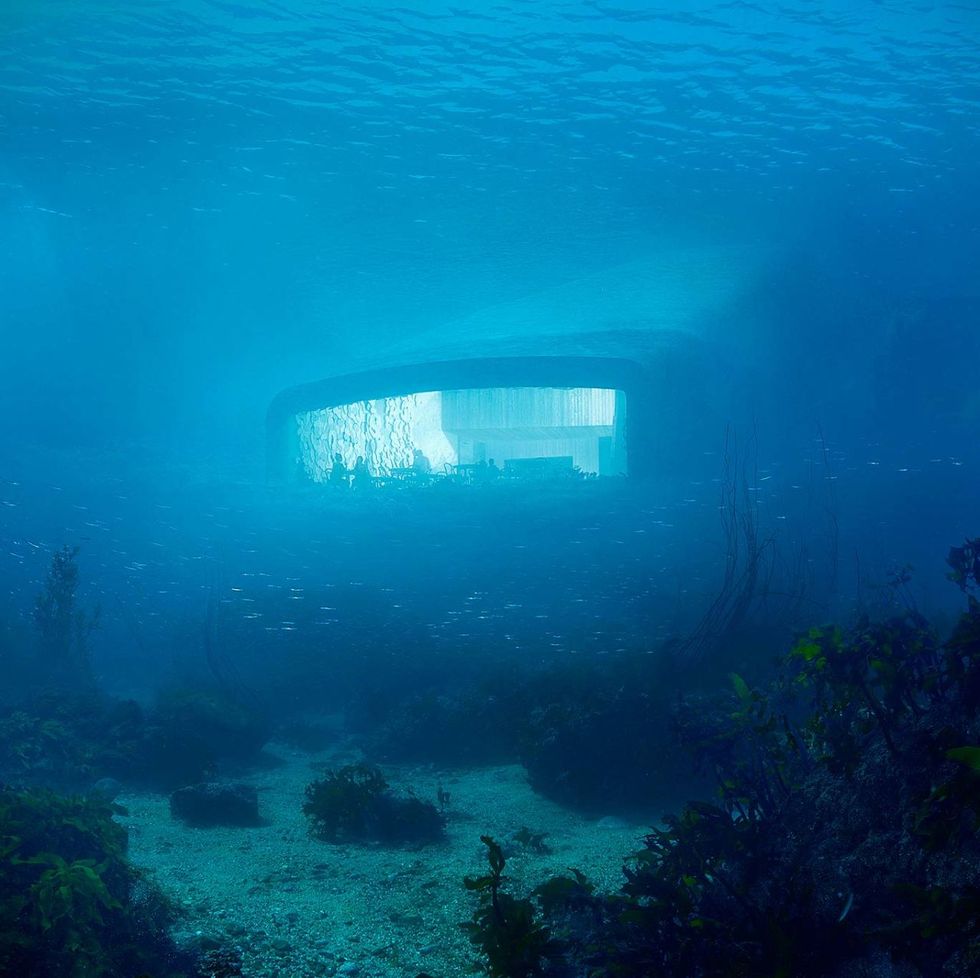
<point x="421" y="464"/>
<point x="362" y="474"/>
<point x="338" y="472"/>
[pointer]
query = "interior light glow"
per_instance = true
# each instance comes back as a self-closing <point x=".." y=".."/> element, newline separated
<point x="580" y="427"/>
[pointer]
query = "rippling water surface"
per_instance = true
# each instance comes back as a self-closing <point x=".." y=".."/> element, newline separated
<point x="367" y="130"/>
<point x="231" y="198"/>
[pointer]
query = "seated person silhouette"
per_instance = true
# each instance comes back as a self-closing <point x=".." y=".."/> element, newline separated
<point x="362" y="474"/>
<point x="421" y="466"/>
<point x="338" y="472"/>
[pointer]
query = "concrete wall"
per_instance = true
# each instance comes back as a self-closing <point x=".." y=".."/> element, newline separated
<point x="283" y="449"/>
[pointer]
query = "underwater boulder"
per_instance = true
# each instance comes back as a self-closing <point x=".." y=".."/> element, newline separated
<point x="216" y="803"/>
<point x="106" y="788"/>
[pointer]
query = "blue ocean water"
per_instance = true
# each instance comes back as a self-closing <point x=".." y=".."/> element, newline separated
<point x="775" y="206"/>
<point x="231" y="195"/>
<point x="205" y="203"/>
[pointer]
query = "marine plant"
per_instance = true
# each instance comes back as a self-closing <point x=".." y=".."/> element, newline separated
<point x="70" y="903"/>
<point x="221" y="725"/>
<point x="847" y="792"/>
<point x="480" y="723"/>
<point x="67" y="739"/>
<point x="964" y="566"/>
<point x="590" y="735"/>
<point x="354" y="804"/>
<point x="32" y="747"/>
<point x="844" y="832"/>
<point x="507" y="930"/>
<point x="63" y="628"/>
<point x="531" y="841"/>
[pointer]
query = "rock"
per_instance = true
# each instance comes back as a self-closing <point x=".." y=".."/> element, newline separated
<point x="611" y="823"/>
<point x="197" y="941"/>
<point x="106" y="788"/>
<point x="216" y="803"/>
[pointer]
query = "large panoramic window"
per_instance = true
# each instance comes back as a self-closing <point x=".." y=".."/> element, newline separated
<point x="524" y="431"/>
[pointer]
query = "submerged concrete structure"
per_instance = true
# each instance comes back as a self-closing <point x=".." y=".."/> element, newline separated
<point x="496" y="407"/>
<point x="647" y="331"/>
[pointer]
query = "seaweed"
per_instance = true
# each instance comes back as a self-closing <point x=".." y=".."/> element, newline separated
<point x="964" y="565"/>
<point x="67" y="739"/>
<point x="354" y="804"/>
<point x="70" y="903"/>
<point x="63" y="628"/>
<point x="843" y="836"/>
<point x="531" y="841"/>
<point x="218" y="725"/>
<point x="512" y="940"/>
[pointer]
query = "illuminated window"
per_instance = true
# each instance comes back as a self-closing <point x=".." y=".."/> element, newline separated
<point x="579" y="428"/>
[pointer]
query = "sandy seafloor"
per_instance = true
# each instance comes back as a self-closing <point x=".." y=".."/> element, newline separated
<point x="298" y="907"/>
